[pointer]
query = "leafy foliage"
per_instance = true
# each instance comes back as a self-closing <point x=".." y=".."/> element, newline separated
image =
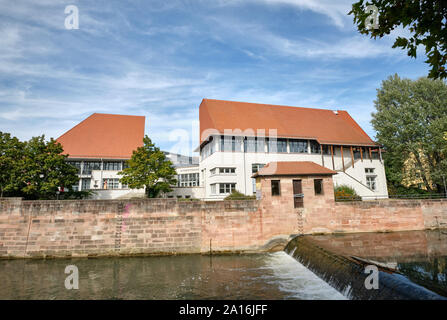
<point x="426" y="21"/>
<point x="11" y="159"/>
<point x="411" y="122"/>
<point x="46" y="168"/>
<point x="149" y="167"/>
<point x="345" y="192"/>
<point x="34" y="169"/>
<point x="236" y="195"/>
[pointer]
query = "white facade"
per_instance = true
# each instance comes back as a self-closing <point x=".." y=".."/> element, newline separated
<point x="188" y="185"/>
<point x="221" y="171"/>
<point x="101" y="176"/>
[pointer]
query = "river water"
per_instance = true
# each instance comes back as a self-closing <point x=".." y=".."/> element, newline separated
<point x="259" y="276"/>
<point x="416" y="256"/>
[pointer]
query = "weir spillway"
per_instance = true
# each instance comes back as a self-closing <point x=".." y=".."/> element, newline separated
<point x="410" y="265"/>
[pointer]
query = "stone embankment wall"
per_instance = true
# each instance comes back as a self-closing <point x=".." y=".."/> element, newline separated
<point x="376" y="216"/>
<point x="167" y="226"/>
<point x="133" y="227"/>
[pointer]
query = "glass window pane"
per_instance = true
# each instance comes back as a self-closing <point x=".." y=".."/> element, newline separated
<point x="275" y="188"/>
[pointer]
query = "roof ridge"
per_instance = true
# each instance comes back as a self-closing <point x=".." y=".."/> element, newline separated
<point x="274" y="105"/>
<point x="117" y="114"/>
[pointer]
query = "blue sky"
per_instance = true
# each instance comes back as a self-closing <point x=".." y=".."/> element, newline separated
<point x="161" y="58"/>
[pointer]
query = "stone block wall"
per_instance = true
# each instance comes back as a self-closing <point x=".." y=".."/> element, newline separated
<point x="71" y="228"/>
<point x="133" y="227"/>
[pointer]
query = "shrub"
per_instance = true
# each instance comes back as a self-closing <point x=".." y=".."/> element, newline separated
<point x="236" y="195"/>
<point x="344" y="192"/>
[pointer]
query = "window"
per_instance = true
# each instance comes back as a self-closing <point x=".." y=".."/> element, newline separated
<point x="85" y="184"/>
<point x="75" y="187"/>
<point x="110" y="183"/>
<point x="227" y="143"/>
<point x="375" y="154"/>
<point x="213" y="189"/>
<point x="255" y="167"/>
<point x="326" y="149"/>
<point x="298" y="146"/>
<point x="227" y="170"/>
<point x="370" y="178"/>
<point x="318" y="186"/>
<point x="226" y="187"/>
<point x="89" y="166"/>
<point x="213" y="171"/>
<point x="356" y="152"/>
<point x="211" y="151"/>
<point x="371" y="182"/>
<point x="76" y="164"/>
<point x="282" y="145"/>
<point x="314" y="147"/>
<point x="276" y="191"/>
<point x="272" y="145"/>
<point x="188" y="180"/>
<point x="253" y="144"/>
<point x="112" y="166"/>
<point x="125" y="164"/>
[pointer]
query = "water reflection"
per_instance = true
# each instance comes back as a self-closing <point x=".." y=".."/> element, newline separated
<point x="263" y="276"/>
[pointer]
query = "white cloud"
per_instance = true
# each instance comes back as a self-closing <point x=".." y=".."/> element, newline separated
<point x="336" y="10"/>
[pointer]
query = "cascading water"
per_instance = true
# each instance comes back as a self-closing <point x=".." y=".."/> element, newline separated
<point x="347" y="273"/>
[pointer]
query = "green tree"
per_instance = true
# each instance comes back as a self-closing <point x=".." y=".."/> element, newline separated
<point x="425" y="20"/>
<point x="148" y="167"/>
<point x="11" y="158"/>
<point x="44" y="169"/>
<point x="410" y="121"/>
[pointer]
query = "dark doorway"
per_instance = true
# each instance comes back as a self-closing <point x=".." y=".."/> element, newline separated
<point x="298" y="196"/>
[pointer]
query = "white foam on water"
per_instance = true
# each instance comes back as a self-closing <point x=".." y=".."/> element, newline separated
<point x="298" y="281"/>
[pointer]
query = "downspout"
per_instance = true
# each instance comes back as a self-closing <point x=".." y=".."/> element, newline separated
<point x="245" y="169"/>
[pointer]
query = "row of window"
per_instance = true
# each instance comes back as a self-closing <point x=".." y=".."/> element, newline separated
<point x="223" y="171"/>
<point x="108" y="183"/>
<point x="276" y="187"/>
<point x="86" y="167"/>
<point x="255" y="144"/>
<point x="262" y="144"/>
<point x="222" y="188"/>
<point x="188" y="180"/>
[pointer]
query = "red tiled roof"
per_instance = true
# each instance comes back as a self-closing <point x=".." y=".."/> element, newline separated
<point x="325" y="126"/>
<point x="293" y="168"/>
<point x="107" y="136"/>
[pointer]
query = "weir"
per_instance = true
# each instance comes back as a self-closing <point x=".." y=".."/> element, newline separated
<point x="340" y="260"/>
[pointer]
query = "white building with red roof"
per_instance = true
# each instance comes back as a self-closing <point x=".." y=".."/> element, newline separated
<point x="237" y="139"/>
<point x="99" y="146"/>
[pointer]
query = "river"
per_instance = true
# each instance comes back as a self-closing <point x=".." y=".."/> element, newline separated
<point x="258" y="276"/>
